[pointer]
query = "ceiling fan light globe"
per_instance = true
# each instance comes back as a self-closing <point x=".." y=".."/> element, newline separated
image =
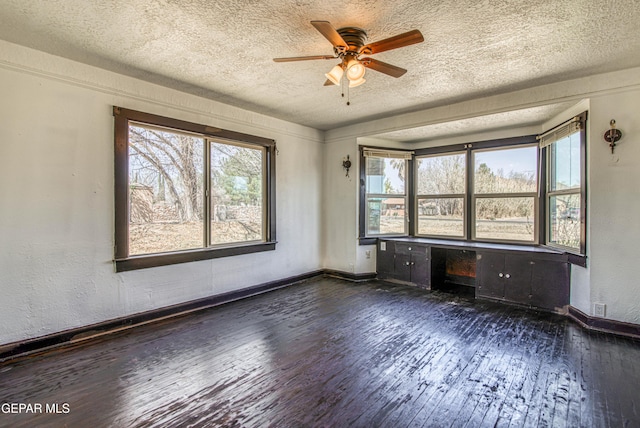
<point x="354" y="83"/>
<point x="355" y="71"/>
<point x="335" y="75"/>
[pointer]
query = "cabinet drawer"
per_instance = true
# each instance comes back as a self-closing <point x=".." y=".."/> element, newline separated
<point x="413" y="249"/>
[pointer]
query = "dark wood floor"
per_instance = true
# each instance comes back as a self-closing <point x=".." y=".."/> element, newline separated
<point x="332" y="353"/>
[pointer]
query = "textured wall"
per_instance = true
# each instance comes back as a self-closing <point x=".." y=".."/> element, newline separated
<point x="56" y="192"/>
<point x="614" y="204"/>
<point x="613" y="195"/>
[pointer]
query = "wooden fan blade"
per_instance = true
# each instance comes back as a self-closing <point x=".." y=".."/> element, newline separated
<point x="328" y="83"/>
<point x="330" y="33"/>
<point x="399" y="41"/>
<point x="383" y="67"/>
<point x="304" y="58"/>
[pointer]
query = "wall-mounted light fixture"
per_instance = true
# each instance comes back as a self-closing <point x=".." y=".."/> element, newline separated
<point x="613" y="135"/>
<point x="346" y="164"/>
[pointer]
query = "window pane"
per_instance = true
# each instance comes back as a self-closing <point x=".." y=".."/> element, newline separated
<point x="385" y="175"/>
<point x="564" y="161"/>
<point x="505" y="219"/>
<point x="386" y="216"/>
<point x="441" y="216"/>
<point x="506" y="171"/>
<point x="441" y="175"/>
<point x="165" y="191"/>
<point x="564" y="220"/>
<point x="237" y="193"/>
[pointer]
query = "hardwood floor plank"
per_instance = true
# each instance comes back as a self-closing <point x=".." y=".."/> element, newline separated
<point x="576" y="392"/>
<point x="331" y="353"/>
<point x="458" y="349"/>
<point x="474" y="382"/>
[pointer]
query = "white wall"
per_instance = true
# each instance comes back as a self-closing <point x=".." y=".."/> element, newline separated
<point x="56" y="198"/>
<point x="614" y="201"/>
<point x="613" y="187"/>
<point x="56" y="194"/>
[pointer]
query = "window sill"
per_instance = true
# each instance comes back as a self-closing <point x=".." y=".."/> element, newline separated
<point x="372" y="240"/>
<point x="577" y="259"/>
<point x="574" y="258"/>
<point x="154" y="260"/>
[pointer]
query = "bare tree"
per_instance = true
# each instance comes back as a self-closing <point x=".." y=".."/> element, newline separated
<point x="443" y="175"/>
<point x="170" y="161"/>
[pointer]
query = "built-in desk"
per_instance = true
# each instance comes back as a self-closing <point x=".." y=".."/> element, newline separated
<point x="527" y="275"/>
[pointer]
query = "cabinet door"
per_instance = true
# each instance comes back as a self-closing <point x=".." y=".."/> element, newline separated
<point x="421" y="267"/>
<point x="550" y="285"/>
<point x="517" y="278"/>
<point x="385" y="259"/>
<point x="490" y="275"/>
<point x="402" y="267"/>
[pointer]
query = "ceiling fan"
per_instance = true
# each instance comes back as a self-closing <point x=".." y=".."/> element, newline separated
<point x="349" y="43"/>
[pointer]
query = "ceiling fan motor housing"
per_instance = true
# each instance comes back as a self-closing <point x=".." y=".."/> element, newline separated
<point x="355" y="37"/>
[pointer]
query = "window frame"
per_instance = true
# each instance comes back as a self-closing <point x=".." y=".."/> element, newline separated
<point x="533" y="194"/>
<point x="578" y="253"/>
<point x="467" y="148"/>
<point x="122" y="259"/>
<point x="363" y="222"/>
<point x="418" y="196"/>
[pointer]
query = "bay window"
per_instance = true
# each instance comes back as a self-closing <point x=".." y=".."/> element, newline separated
<point x="523" y="190"/>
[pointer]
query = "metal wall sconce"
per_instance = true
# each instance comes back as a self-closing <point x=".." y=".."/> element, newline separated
<point x="346" y="164"/>
<point x="613" y="135"/>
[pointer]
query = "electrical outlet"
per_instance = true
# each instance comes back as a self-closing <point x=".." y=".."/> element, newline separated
<point x="368" y="254"/>
<point x="599" y="310"/>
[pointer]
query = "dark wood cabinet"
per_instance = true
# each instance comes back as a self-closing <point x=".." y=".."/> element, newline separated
<point x="504" y="276"/>
<point x="409" y="263"/>
<point x="489" y="281"/>
<point x="385" y="259"/>
<point x="538" y="280"/>
<point x="550" y="285"/>
<point x="531" y="276"/>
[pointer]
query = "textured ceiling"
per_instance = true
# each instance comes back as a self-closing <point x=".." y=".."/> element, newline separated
<point x="223" y="49"/>
<point x="494" y="122"/>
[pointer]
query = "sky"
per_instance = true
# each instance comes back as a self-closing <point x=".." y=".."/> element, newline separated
<point x="523" y="159"/>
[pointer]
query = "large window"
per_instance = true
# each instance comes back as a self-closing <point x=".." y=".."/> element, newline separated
<point x="505" y="194"/>
<point x="565" y="196"/>
<point x="440" y="195"/>
<point x="523" y="190"/>
<point x="385" y="187"/>
<point x="187" y="192"/>
<point x="484" y="191"/>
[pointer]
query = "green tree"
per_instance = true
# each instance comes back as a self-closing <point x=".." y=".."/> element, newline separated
<point x="388" y="187"/>
<point x="237" y="174"/>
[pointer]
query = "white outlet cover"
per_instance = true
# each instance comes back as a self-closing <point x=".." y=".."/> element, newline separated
<point x="599" y="309"/>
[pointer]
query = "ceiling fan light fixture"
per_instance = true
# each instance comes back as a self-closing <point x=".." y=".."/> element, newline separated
<point x="355" y="70"/>
<point x="351" y="42"/>
<point x="354" y="83"/>
<point x="335" y="75"/>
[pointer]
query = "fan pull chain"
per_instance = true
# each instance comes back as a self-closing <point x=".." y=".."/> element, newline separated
<point x="343" y="82"/>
